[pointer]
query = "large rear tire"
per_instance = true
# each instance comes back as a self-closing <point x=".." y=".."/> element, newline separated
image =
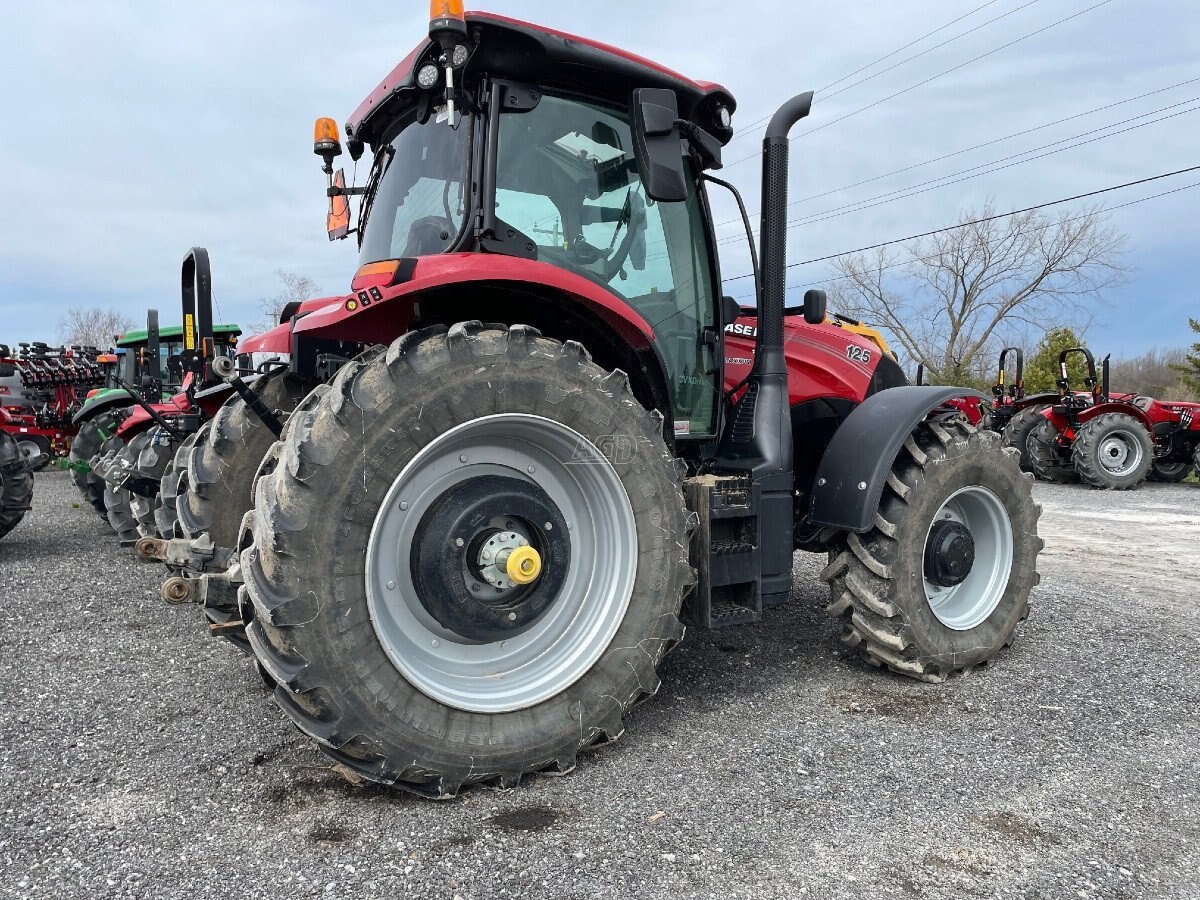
<point x="152" y="461"/>
<point x="1113" y="452"/>
<point x="117" y="500"/>
<point x="1016" y="432"/>
<point x="16" y="484"/>
<point x="222" y="466"/>
<point x="1047" y="460"/>
<point x="166" y="513"/>
<point x="363" y="570"/>
<point x="942" y="581"/>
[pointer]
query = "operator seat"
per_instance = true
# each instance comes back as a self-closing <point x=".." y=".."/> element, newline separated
<point x="428" y="236"/>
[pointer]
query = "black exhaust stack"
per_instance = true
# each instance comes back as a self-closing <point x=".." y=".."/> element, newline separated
<point x="152" y="367"/>
<point x="196" y="284"/>
<point x="758" y="434"/>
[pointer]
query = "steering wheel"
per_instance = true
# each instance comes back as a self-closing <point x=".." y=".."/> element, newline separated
<point x="607" y="263"/>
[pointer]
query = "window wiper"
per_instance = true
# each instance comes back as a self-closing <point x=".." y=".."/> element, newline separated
<point x="382" y="162"/>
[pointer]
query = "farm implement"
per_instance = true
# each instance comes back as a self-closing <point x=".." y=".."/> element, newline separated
<point x="41" y="387"/>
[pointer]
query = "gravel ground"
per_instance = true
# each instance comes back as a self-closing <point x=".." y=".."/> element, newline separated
<point x="141" y="758"/>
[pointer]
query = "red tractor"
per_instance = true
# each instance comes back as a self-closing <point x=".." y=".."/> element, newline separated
<point x="1014" y="413"/>
<point x="1112" y="442"/>
<point x="538" y="441"/>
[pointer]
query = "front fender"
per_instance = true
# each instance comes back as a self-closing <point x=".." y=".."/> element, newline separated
<point x="117" y="399"/>
<point x="1128" y="409"/>
<point x="857" y="462"/>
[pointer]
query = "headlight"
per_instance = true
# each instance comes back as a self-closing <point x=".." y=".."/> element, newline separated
<point x="724" y="118"/>
<point x="461" y="53"/>
<point x="428" y="75"/>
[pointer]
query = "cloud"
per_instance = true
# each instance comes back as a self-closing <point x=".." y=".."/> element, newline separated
<point x="147" y="128"/>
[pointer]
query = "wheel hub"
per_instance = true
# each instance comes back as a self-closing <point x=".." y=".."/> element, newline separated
<point x="1120" y="453"/>
<point x="949" y="553"/>
<point x="470" y="544"/>
<point x="969" y="553"/>
<point x="587" y="549"/>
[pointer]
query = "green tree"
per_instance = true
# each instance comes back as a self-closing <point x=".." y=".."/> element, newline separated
<point x="1190" y="371"/>
<point x="1041" y="369"/>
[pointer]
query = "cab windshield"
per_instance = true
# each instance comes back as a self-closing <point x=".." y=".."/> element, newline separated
<point x="568" y="181"/>
<point x="416" y="197"/>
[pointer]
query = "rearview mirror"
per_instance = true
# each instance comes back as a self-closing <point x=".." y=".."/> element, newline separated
<point x="337" y="223"/>
<point x="815" y="304"/>
<point x="731" y="310"/>
<point x="657" y="146"/>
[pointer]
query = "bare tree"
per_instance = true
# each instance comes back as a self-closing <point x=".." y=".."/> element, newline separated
<point x="952" y="299"/>
<point x="295" y="288"/>
<point x="1156" y="373"/>
<point x="92" y="326"/>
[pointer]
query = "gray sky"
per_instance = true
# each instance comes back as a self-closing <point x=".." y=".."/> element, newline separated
<point x="133" y="130"/>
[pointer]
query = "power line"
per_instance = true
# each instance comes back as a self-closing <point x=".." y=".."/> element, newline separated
<point x="998" y="140"/>
<point x="944" y="43"/>
<point x="1015" y="212"/>
<point x="763" y="121"/>
<point x="932" y="78"/>
<point x="1108" y="209"/>
<point x="987" y="168"/>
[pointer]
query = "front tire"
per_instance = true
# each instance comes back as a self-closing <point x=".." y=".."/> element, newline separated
<point x="166" y="511"/>
<point x="1170" y="472"/>
<point x="401" y="459"/>
<point x="1114" y="452"/>
<point x="893" y="594"/>
<point x="84" y="447"/>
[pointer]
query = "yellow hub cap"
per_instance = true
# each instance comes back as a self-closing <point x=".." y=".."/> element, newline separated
<point x="524" y="565"/>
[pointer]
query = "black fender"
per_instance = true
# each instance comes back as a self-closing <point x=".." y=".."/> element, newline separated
<point x="858" y="460"/>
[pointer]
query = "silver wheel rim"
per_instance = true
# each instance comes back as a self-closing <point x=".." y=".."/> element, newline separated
<point x="969" y="603"/>
<point x="1120" y="453"/>
<point x="570" y="636"/>
<point x="30" y="451"/>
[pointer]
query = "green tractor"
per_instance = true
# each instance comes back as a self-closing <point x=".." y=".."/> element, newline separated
<point x="148" y="363"/>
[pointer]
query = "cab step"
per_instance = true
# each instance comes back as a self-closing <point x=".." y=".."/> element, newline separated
<point x="724" y="552"/>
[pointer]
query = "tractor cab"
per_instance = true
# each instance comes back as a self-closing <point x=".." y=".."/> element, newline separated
<point x="513" y="148"/>
<point x="133" y="348"/>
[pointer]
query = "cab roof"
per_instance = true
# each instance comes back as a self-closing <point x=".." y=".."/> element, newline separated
<point x="171" y="332"/>
<point x="521" y="51"/>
